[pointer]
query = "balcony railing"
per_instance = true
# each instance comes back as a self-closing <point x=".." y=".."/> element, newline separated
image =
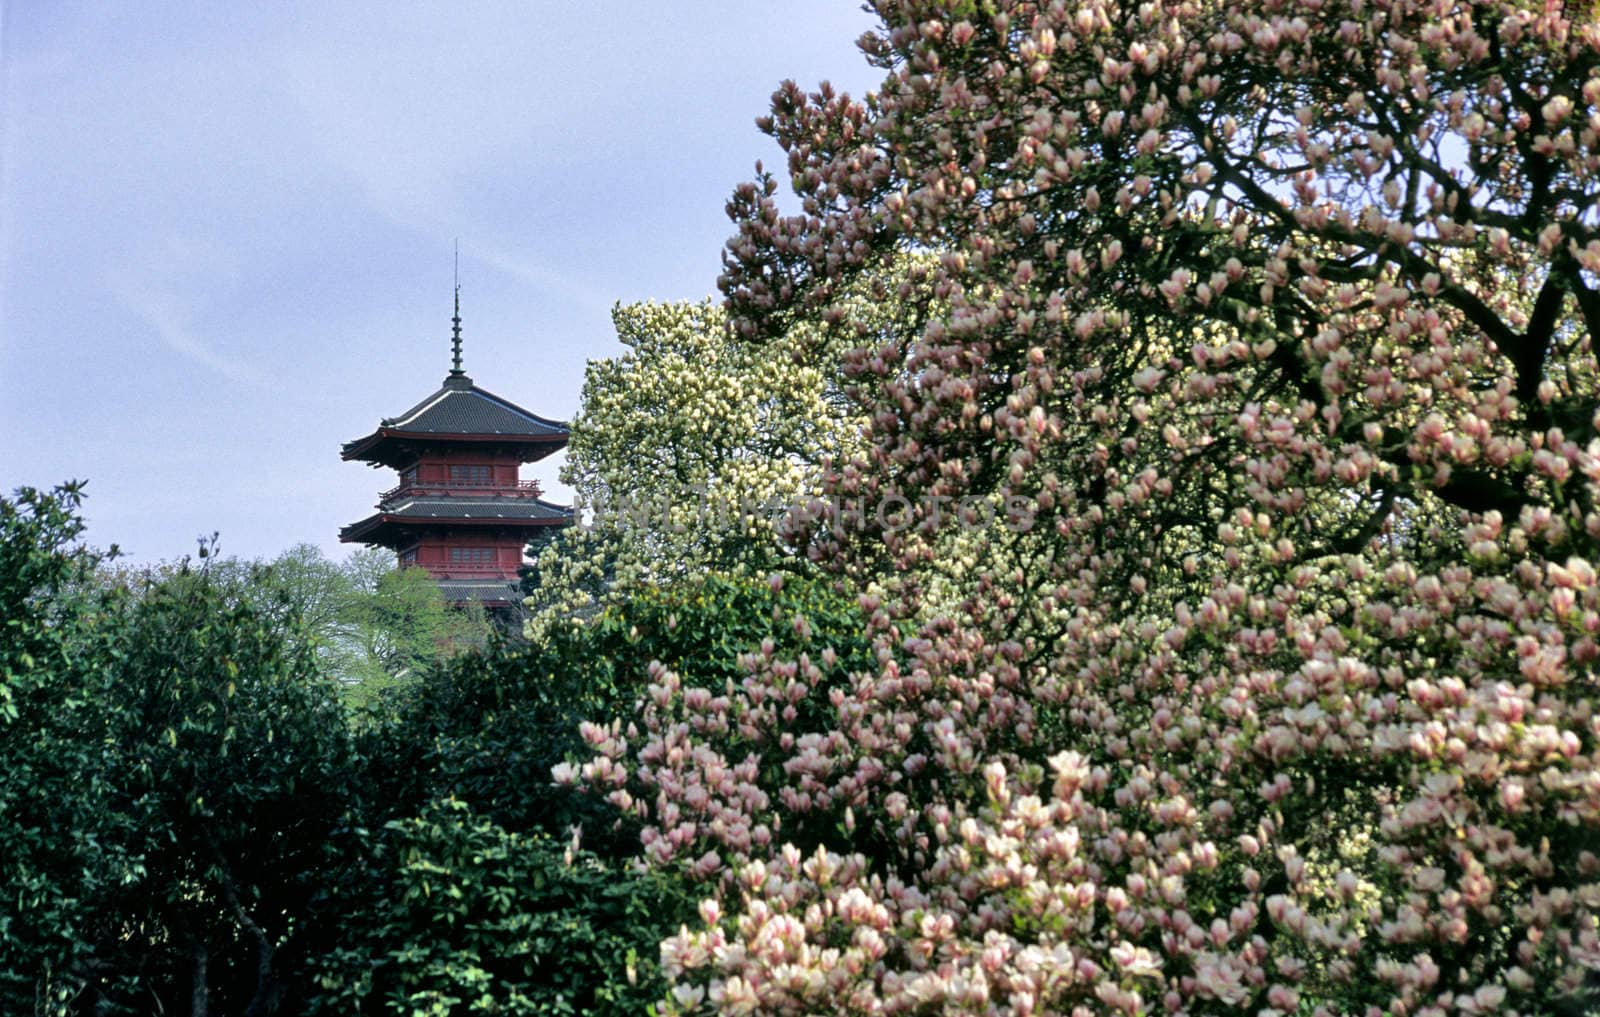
<point x="521" y="489"/>
<point x="458" y="570"/>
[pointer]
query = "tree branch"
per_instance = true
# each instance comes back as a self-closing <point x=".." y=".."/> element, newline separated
<point x="1352" y="543"/>
<point x="1588" y="300"/>
<point x="1528" y="355"/>
<point x="266" y="986"/>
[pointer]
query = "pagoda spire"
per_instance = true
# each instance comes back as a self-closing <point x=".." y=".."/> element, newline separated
<point x="455" y="339"/>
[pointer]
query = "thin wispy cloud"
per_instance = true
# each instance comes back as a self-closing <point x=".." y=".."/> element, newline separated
<point x="531" y="270"/>
<point x="173" y="324"/>
<point x="404" y="124"/>
<point x="169" y="290"/>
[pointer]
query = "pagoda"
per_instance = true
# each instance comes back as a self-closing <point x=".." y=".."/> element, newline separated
<point x="461" y="510"/>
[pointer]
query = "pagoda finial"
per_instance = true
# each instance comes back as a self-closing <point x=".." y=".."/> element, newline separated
<point x="455" y="340"/>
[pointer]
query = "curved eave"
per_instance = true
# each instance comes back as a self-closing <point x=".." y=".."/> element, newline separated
<point x="380" y="447"/>
<point x="372" y="530"/>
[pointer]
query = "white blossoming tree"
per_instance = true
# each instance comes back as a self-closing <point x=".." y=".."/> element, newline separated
<point x="690" y="449"/>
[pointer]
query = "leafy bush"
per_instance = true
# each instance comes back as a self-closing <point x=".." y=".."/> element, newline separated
<point x="169" y="769"/>
<point x="458" y="915"/>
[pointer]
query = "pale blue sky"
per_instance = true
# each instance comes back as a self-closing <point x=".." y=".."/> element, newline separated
<point x="225" y="229"/>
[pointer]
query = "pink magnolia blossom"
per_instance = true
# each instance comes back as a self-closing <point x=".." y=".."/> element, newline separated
<point x="1286" y="696"/>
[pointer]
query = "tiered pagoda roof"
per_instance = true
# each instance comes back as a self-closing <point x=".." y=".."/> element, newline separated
<point x="460" y="413"/>
<point x="460" y="510"/>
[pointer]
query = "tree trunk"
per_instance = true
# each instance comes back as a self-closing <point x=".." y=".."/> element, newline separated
<point x="199" y="998"/>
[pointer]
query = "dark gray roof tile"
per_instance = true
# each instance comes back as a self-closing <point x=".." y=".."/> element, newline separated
<point x="486" y="590"/>
<point x="474" y="508"/>
<point x="460" y="407"/>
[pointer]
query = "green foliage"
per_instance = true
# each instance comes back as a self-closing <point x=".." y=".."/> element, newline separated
<point x="397" y="623"/>
<point x="487" y="728"/>
<point x="168" y="770"/>
<point x="229" y="755"/>
<point x="461" y="916"/>
<point x="58" y="845"/>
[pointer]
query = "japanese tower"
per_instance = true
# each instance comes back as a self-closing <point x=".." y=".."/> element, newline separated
<point x="461" y="510"/>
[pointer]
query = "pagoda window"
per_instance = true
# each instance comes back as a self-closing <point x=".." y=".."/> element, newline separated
<point x="472" y="555"/>
<point x="471" y="476"/>
<point x="408" y="557"/>
<point x="408" y="476"/>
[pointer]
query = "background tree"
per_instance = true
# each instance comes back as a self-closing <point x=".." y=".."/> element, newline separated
<point x="398" y="623"/>
<point x="368" y="624"/>
<point x="306" y="594"/>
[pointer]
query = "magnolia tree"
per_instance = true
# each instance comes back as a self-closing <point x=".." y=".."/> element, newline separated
<point x="691" y="445"/>
<point x="1268" y="329"/>
<point x="686" y="448"/>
